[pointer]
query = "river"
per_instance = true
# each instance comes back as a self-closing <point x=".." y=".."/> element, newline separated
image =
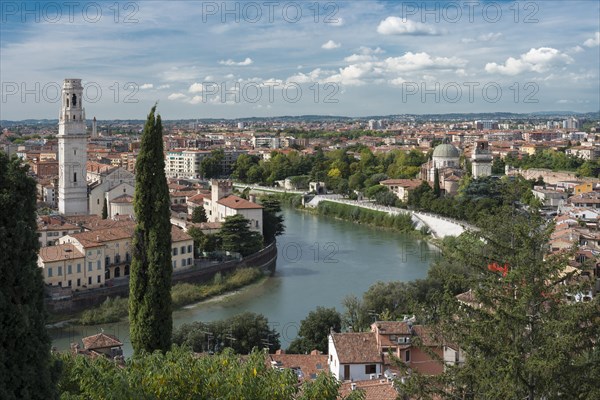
<point x="320" y="261"/>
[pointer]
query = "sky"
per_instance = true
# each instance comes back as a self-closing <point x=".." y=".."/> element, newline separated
<point x="237" y="59"/>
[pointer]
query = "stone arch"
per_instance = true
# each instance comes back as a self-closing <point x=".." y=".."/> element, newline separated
<point x="74" y="100"/>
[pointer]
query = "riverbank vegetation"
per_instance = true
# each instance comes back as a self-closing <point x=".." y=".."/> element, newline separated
<point x="115" y="309"/>
<point x="400" y="222"/>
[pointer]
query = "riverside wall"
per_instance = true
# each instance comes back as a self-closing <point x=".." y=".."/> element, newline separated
<point x="266" y="259"/>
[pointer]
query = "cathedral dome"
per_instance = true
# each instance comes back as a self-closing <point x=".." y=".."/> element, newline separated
<point x="446" y="150"/>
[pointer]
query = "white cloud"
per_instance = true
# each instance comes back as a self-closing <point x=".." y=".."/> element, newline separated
<point x="535" y="60"/>
<point x="230" y="62"/>
<point x="417" y="61"/>
<point x="146" y="86"/>
<point x="316" y="75"/>
<point x="164" y="86"/>
<point x="594" y="41"/>
<point x="330" y="45"/>
<point x="369" y="50"/>
<point x="576" y="49"/>
<point x="400" y="26"/>
<point x="489" y="37"/>
<point x="196" y="88"/>
<point x="177" y="96"/>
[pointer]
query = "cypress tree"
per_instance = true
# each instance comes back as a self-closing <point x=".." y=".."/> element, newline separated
<point x="104" y="209"/>
<point x="25" y="359"/>
<point x="150" y="309"/>
<point x="436" y="183"/>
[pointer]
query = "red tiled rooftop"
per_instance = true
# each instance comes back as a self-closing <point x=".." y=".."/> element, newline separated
<point x="356" y="348"/>
<point x="100" y="341"/>
<point x="237" y="203"/>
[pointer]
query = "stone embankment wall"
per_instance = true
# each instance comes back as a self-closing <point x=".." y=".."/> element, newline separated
<point x="266" y="259"/>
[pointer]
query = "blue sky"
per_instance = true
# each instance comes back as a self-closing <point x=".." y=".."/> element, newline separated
<point x="216" y="59"/>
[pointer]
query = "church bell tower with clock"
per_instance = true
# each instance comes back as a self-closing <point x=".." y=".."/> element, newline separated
<point x="72" y="151"/>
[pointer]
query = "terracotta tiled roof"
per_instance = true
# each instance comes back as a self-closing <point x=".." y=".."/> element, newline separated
<point x="124" y="198"/>
<point x="178" y="235"/>
<point x="356" y="348"/>
<point x="392" y="327"/>
<point x="197" y="199"/>
<point x="309" y="364"/>
<point x="48" y="223"/>
<point x="237" y="203"/>
<point x="59" y="252"/>
<point x="100" y="341"/>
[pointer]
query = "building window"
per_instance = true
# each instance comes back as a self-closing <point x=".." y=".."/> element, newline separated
<point x="183" y="262"/>
<point x="182" y="249"/>
<point x="98" y="265"/>
<point x="174" y="263"/>
<point x="89" y="265"/>
<point x="69" y="270"/>
<point x="89" y="280"/>
<point x="189" y="248"/>
<point x="174" y="251"/>
<point x="407" y="356"/>
<point x="59" y="271"/>
<point x="190" y="261"/>
<point x="78" y="268"/>
<point x="74" y="176"/>
<point x="99" y="278"/>
<point x="69" y="283"/>
<point x="78" y="282"/>
<point x="371" y="369"/>
<point x="49" y="272"/>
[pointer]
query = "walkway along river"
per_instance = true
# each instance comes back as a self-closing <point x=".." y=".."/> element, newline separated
<point x="320" y="261"/>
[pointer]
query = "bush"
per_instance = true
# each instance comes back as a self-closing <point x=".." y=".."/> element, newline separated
<point x="111" y="310"/>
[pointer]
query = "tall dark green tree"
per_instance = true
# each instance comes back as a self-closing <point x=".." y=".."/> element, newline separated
<point x="436" y="183"/>
<point x="25" y="366"/>
<point x="199" y="215"/>
<point x="212" y="165"/>
<point x="104" y="209"/>
<point x="236" y="236"/>
<point x="272" y="219"/>
<point x="150" y="307"/>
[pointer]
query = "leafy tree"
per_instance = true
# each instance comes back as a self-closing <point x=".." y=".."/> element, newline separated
<point x="104" y="209"/>
<point x="25" y="364"/>
<point x="182" y="375"/>
<point x="236" y="236"/>
<point x="150" y="316"/>
<point x="355" y="316"/>
<point x="498" y="166"/>
<point x="523" y="340"/>
<point x="272" y="219"/>
<point x="315" y="328"/>
<point x="199" y="215"/>
<point x="242" y="333"/>
<point x="212" y="165"/>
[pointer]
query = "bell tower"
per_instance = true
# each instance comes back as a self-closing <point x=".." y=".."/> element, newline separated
<point x="72" y="151"/>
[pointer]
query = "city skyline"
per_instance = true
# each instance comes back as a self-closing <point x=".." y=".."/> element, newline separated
<point x="346" y="58"/>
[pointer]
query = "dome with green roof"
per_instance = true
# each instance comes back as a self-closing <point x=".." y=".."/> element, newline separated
<point x="446" y="150"/>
